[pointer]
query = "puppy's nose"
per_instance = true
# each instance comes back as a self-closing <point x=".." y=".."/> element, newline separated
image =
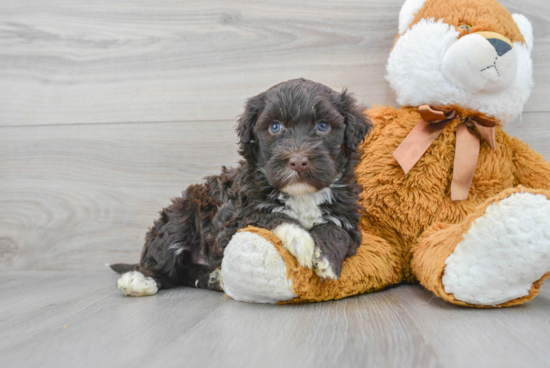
<point x="298" y="163"/>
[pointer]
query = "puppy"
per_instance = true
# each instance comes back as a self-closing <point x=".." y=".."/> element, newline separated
<point x="299" y="143"/>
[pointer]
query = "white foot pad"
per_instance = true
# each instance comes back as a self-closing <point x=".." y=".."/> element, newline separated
<point x="134" y="283"/>
<point x="254" y="271"/>
<point x="502" y="253"/>
<point x="298" y="242"/>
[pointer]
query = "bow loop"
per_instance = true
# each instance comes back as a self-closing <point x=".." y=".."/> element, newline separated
<point x="434" y="115"/>
<point x="485" y="127"/>
<point x="434" y="120"/>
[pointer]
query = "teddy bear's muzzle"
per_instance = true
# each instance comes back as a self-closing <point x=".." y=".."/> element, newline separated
<point x="481" y="63"/>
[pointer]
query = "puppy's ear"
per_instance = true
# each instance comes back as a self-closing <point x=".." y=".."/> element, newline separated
<point x="248" y="143"/>
<point x="358" y="125"/>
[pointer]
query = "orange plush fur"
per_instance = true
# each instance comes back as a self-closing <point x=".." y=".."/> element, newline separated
<point x="481" y="15"/>
<point x="415" y="212"/>
<point x="411" y="226"/>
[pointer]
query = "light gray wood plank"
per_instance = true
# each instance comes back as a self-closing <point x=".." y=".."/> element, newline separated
<point x="508" y="337"/>
<point x="363" y="331"/>
<point x="83" y="320"/>
<point x="534" y="129"/>
<point x="79" y="196"/>
<point x="134" y="61"/>
<point x="400" y="327"/>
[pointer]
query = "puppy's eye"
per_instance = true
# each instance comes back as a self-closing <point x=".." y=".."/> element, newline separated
<point x="323" y="126"/>
<point x="275" y="128"/>
<point x="465" y="26"/>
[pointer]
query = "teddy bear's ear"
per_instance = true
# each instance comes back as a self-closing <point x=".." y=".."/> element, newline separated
<point x="526" y="29"/>
<point x="406" y="15"/>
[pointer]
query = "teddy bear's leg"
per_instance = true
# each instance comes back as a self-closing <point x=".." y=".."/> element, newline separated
<point x="257" y="268"/>
<point x="498" y="256"/>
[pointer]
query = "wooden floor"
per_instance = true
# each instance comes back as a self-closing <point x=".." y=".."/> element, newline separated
<point x="70" y="319"/>
<point x="110" y="108"/>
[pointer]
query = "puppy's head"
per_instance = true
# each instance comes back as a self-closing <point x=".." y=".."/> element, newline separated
<point x="302" y="135"/>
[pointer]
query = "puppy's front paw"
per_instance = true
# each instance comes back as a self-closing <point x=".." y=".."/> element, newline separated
<point x="298" y="242"/>
<point x="322" y="266"/>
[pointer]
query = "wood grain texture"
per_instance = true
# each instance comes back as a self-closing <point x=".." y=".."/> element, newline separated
<point x="534" y="129"/>
<point x="76" y="61"/>
<point x="69" y="319"/>
<point x="111" y="108"/>
<point x="79" y="196"/>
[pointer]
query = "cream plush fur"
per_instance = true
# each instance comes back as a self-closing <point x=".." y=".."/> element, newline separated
<point x="406" y="15"/>
<point x="254" y="271"/>
<point x="515" y="252"/>
<point x="425" y="67"/>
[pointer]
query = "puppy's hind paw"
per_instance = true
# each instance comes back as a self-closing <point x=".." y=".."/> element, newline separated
<point x="297" y="241"/>
<point x="134" y="283"/>
<point x="322" y="266"/>
<point x="215" y="281"/>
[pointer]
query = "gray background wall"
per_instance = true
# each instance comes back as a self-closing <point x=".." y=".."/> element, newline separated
<point x="109" y="108"/>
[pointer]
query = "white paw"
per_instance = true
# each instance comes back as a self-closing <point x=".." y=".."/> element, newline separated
<point x="134" y="283"/>
<point x="322" y="266"/>
<point x="298" y="242"/>
<point x="215" y="278"/>
<point x="503" y="252"/>
<point x="254" y="271"/>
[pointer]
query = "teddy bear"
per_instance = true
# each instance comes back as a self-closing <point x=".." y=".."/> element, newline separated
<point x="450" y="200"/>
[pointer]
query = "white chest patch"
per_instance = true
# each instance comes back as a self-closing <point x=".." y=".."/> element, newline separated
<point x="305" y="207"/>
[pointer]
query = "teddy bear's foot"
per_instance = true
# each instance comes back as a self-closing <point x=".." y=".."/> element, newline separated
<point x="504" y="252"/>
<point x="254" y="271"/>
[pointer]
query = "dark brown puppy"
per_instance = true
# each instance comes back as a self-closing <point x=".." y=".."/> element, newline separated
<point x="299" y="142"/>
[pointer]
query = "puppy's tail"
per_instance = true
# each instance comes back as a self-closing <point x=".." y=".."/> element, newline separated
<point x="123" y="267"/>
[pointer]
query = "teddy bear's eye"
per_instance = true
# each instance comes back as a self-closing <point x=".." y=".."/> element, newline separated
<point x="465" y="26"/>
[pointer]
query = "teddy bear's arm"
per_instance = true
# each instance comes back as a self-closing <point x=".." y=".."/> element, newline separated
<point x="531" y="169"/>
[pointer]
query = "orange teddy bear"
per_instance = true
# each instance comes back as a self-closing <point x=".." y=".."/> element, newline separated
<point x="451" y="201"/>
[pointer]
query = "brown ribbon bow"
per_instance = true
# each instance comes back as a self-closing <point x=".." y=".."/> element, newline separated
<point x="434" y="120"/>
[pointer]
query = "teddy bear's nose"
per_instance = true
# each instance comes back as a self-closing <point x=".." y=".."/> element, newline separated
<point x="500" y="46"/>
